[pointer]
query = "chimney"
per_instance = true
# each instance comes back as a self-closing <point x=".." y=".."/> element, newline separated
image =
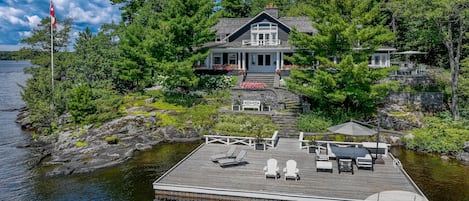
<point x="272" y="10"/>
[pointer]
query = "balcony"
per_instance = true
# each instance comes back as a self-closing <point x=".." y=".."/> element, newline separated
<point x="273" y="42"/>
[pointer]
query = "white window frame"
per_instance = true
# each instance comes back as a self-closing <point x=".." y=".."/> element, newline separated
<point x="268" y="30"/>
<point x="232" y="58"/>
<point x="217" y="55"/>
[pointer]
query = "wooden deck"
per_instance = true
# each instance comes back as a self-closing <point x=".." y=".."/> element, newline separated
<point x="197" y="177"/>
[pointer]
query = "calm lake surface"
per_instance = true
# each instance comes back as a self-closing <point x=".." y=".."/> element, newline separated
<point x="19" y="180"/>
<point x="438" y="179"/>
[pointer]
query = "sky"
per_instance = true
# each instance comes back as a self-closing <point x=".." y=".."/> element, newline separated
<point x="19" y="17"/>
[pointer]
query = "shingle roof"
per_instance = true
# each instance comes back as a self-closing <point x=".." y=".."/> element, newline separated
<point x="302" y="24"/>
<point x="229" y="25"/>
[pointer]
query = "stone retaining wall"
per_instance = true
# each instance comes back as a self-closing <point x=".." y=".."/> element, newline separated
<point x="428" y="101"/>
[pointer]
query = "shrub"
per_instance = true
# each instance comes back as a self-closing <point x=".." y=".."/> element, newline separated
<point x="245" y="125"/>
<point x="111" y="139"/>
<point x="439" y="134"/>
<point x="312" y="122"/>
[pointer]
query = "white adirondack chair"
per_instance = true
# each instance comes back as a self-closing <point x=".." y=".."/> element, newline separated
<point x="291" y="172"/>
<point x="271" y="170"/>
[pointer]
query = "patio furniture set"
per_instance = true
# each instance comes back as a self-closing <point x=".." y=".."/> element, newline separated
<point x="345" y="157"/>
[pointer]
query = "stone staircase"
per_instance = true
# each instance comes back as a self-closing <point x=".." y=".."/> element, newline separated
<point x="267" y="78"/>
<point x="287" y="123"/>
<point x="292" y="106"/>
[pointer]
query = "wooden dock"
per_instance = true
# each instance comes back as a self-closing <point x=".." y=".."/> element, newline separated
<point x="198" y="178"/>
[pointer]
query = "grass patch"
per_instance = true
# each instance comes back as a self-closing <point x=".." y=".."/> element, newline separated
<point x="81" y="144"/>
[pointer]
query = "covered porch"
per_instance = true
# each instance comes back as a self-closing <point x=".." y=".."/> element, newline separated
<point x="247" y="60"/>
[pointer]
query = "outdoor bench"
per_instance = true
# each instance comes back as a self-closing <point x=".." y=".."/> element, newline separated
<point x="253" y="104"/>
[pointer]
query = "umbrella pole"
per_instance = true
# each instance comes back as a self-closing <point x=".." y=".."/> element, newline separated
<point x="378" y="160"/>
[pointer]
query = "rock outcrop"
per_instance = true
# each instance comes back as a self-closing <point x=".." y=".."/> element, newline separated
<point x="88" y="148"/>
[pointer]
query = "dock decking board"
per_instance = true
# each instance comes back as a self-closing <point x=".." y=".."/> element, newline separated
<point x="198" y="171"/>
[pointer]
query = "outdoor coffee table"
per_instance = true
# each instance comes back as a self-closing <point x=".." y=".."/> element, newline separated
<point x="324" y="166"/>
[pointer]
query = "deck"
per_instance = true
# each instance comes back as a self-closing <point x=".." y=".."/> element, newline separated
<point x="196" y="177"/>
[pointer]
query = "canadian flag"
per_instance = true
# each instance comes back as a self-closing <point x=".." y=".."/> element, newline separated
<point x="52" y="15"/>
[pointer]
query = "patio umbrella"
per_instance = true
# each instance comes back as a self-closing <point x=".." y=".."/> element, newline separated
<point x="352" y="128"/>
<point x="410" y="52"/>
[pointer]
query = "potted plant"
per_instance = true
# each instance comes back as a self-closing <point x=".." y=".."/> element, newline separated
<point x="259" y="141"/>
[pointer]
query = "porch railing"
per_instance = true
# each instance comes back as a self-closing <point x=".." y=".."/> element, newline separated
<point x="272" y="42"/>
<point x="249" y="141"/>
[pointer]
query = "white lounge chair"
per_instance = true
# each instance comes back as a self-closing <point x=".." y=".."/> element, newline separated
<point x="229" y="154"/>
<point x="271" y="170"/>
<point x="291" y="172"/>
<point x="233" y="161"/>
<point x="364" y="162"/>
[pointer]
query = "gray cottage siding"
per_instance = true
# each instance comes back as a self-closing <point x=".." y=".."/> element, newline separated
<point x="245" y="32"/>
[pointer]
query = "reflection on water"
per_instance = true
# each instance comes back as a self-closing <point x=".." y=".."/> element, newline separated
<point x="130" y="181"/>
<point x="438" y="179"/>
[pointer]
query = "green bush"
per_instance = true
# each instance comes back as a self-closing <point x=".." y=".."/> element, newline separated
<point x="111" y="139"/>
<point x="245" y="125"/>
<point x="313" y="123"/>
<point x="439" y="134"/>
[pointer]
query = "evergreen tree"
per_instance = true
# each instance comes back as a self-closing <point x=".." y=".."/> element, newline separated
<point x="347" y="85"/>
<point x="442" y="21"/>
<point x="164" y="40"/>
<point x="45" y="104"/>
<point x="344" y="26"/>
<point x="234" y="8"/>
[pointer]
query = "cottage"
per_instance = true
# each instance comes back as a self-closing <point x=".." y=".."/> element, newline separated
<point x="260" y="44"/>
<point x="257" y="44"/>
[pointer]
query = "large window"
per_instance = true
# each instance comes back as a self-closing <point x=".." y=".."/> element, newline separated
<point x="217" y="58"/>
<point x="262" y="59"/>
<point x="379" y="60"/>
<point x="264" y="33"/>
<point x="232" y="58"/>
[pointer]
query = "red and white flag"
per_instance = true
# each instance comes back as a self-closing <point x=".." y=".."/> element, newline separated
<point x="52" y="15"/>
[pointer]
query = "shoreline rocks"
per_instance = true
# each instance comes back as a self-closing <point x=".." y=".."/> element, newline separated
<point x="87" y="149"/>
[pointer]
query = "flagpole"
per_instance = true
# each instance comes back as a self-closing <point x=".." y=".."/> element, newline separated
<point x="52" y="53"/>
<point x="52" y="26"/>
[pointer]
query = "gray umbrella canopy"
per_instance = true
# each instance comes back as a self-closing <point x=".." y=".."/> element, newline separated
<point x="352" y="128"/>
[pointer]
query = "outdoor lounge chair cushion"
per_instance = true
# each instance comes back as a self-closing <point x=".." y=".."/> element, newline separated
<point x="349" y="152"/>
<point x="271" y="170"/>
<point x="229" y="154"/>
<point x="233" y="161"/>
<point x="365" y="162"/>
<point x="291" y="172"/>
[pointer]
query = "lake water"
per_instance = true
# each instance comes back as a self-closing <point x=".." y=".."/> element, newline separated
<point x="19" y="180"/>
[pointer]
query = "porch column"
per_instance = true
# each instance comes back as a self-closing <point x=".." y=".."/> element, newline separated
<point x="243" y="62"/>
<point x="239" y="60"/>
<point x="210" y="60"/>
<point x="281" y="60"/>
<point x="277" y="67"/>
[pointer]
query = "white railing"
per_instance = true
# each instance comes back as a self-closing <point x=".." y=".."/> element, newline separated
<point x="272" y="42"/>
<point x="249" y="141"/>
<point x="303" y="142"/>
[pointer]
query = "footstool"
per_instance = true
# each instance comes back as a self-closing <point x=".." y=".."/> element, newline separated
<point x="324" y="166"/>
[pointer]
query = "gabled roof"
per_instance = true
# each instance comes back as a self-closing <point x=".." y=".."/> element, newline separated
<point x="232" y="25"/>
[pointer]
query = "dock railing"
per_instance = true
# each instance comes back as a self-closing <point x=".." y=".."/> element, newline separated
<point x="249" y="141"/>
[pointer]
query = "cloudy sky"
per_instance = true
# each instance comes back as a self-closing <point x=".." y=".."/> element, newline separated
<point x="19" y="17"/>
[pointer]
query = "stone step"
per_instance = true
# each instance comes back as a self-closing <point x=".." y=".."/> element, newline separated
<point x="287" y="123"/>
<point x="268" y="79"/>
